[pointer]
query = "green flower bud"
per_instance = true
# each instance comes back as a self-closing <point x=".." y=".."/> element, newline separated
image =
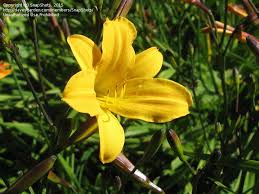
<point x="175" y="144"/>
<point x="218" y="127"/>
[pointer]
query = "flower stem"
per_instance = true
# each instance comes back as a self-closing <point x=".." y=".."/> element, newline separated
<point x="225" y="24"/>
<point x="15" y="54"/>
<point x="37" y="53"/>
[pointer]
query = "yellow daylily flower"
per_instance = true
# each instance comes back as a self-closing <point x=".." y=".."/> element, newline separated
<point x="119" y="81"/>
<point x="3" y="69"/>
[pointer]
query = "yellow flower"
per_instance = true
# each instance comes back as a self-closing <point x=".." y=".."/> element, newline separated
<point x="3" y="71"/>
<point x="119" y="81"/>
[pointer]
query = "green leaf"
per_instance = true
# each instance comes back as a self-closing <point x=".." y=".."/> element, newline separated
<point x="221" y="185"/>
<point x="166" y="74"/>
<point x="25" y="128"/>
<point x="69" y="171"/>
<point x="5" y="97"/>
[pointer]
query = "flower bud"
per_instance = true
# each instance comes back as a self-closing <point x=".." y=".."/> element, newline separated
<point x="252" y="11"/>
<point x="199" y="4"/>
<point x="257" y="107"/>
<point x="240" y="35"/>
<point x="123" y="163"/>
<point x="56" y="179"/>
<point x="237" y="9"/>
<point x="124" y="8"/>
<point x="118" y="183"/>
<point x="100" y="4"/>
<point x="55" y="24"/>
<point x="33" y="175"/>
<point x="86" y="130"/>
<point x="191" y="49"/>
<point x="237" y="84"/>
<point x="66" y="27"/>
<point x="253" y="44"/>
<point x="175" y="144"/>
<point x="218" y="127"/>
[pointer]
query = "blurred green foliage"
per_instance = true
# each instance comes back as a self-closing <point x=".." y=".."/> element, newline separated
<point x="221" y="146"/>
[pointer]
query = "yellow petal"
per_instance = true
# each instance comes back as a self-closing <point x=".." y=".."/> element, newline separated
<point x="111" y="136"/>
<point x="79" y="93"/>
<point x="85" y="51"/>
<point x="117" y="53"/>
<point x="149" y="99"/>
<point x="147" y="64"/>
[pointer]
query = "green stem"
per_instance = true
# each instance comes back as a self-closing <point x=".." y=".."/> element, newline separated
<point x="236" y="30"/>
<point x="225" y="24"/>
<point x="16" y="57"/>
<point x="198" y="105"/>
<point x="16" y="81"/>
<point x="213" y="78"/>
<point x="189" y="166"/>
<point x="224" y="87"/>
<point x="211" y="21"/>
<point x="179" y="43"/>
<point x="37" y="53"/>
<point x="222" y="61"/>
<point x="99" y="24"/>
